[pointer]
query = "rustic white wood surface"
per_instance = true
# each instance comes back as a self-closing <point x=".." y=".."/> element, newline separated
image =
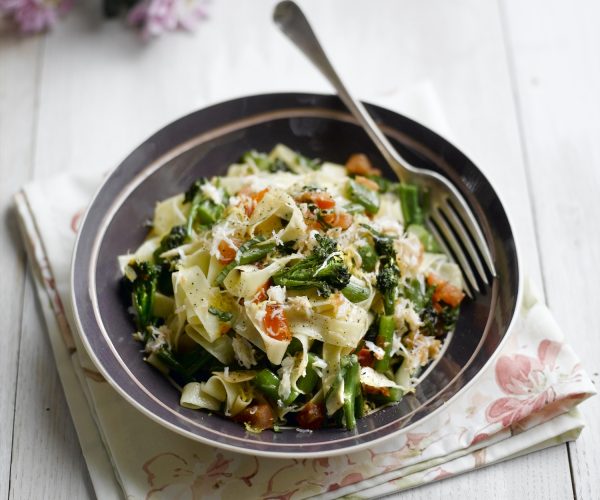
<point x="518" y="82"/>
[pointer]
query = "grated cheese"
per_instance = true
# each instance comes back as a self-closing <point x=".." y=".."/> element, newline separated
<point x="212" y="193"/>
<point x="377" y="351"/>
<point x="277" y="294"/>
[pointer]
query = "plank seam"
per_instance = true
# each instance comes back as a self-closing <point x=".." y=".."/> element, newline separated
<point x="27" y="273"/>
<point x="20" y="330"/>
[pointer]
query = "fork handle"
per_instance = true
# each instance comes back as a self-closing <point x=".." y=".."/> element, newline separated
<point x="293" y="23"/>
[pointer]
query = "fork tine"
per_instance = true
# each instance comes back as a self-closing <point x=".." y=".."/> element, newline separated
<point x="459" y="228"/>
<point x="449" y="237"/>
<point x="469" y="221"/>
<point x="468" y="284"/>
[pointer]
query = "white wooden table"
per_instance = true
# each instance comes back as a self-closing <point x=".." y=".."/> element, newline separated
<point x="518" y="81"/>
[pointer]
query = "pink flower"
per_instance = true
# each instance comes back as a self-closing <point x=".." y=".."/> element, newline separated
<point x="33" y="16"/>
<point x="154" y="17"/>
<point x="173" y="476"/>
<point x="528" y="383"/>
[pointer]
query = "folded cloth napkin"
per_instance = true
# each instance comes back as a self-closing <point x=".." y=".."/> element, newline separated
<point x="525" y="401"/>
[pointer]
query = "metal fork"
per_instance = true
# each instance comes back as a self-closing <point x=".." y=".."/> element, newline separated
<point x="449" y="217"/>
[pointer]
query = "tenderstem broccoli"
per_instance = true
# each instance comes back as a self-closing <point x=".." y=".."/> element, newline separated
<point x="203" y="211"/>
<point x="323" y="269"/>
<point x="387" y="283"/>
<point x="143" y="290"/>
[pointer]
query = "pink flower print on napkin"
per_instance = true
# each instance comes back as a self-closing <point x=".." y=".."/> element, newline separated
<point x="527" y="381"/>
<point x="170" y="475"/>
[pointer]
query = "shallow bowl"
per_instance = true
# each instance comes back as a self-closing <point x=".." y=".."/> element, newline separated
<point x="204" y="143"/>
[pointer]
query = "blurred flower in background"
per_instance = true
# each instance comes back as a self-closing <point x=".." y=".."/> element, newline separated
<point x="150" y="17"/>
<point x="154" y="17"/>
<point x="33" y="16"/>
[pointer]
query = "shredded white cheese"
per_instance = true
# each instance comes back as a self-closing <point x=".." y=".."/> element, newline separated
<point x="377" y="351"/>
<point x="285" y="375"/>
<point x="158" y="338"/>
<point x="301" y="304"/>
<point x="277" y="294"/>
<point x="212" y="193"/>
<point x="319" y="366"/>
<point x="222" y="232"/>
<point x="409" y="253"/>
<point x="243" y="351"/>
<point x="404" y="314"/>
<point x="260" y="315"/>
<point x="371" y="378"/>
<point x="277" y="238"/>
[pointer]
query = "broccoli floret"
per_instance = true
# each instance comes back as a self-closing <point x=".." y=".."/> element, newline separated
<point x="194" y="190"/>
<point x="387" y="283"/>
<point x="143" y="290"/>
<point x="174" y="239"/>
<point x="323" y="269"/>
<point x="384" y="244"/>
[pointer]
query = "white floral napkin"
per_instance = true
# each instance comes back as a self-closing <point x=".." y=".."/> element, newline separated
<point x="525" y="402"/>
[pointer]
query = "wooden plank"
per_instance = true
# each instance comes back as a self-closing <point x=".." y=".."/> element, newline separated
<point x="557" y="76"/>
<point x="18" y="83"/>
<point x="47" y="460"/>
<point x="548" y="479"/>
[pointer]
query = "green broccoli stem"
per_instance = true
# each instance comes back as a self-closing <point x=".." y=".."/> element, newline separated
<point x="186" y="365"/>
<point x="323" y="269"/>
<point x="409" y="202"/>
<point x="356" y="290"/>
<point x="256" y="253"/>
<point x="425" y="237"/>
<point x="364" y="196"/>
<point x="251" y="251"/>
<point x="368" y="257"/>
<point x="392" y="395"/>
<point x="268" y="383"/>
<point x="351" y="387"/>
<point x="384" y="340"/>
<point x="143" y="291"/>
<point x="203" y="212"/>
<point x="310" y="379"/>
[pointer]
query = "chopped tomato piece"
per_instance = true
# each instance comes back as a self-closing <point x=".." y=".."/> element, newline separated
<point x="257" y="197"/>
<point x="338" y="219"/>
<point x="227" y="252"/>
<point x="252" y="198"/>
<point x="257" y="415"/>
<point x="365" y="357"/>
<point x="322" y="199"/>
<point x="275" y="323"/>
<point x="368" y="183"/>
<point x="261" y="294"/>
<point x="311" y="416"/>
<point x="359" y="164"/>
<point x="384" y="391"/>
<point x="444" y="292"/>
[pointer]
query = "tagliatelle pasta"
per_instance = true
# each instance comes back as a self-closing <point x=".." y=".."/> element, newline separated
<point x="292" y="291"/>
